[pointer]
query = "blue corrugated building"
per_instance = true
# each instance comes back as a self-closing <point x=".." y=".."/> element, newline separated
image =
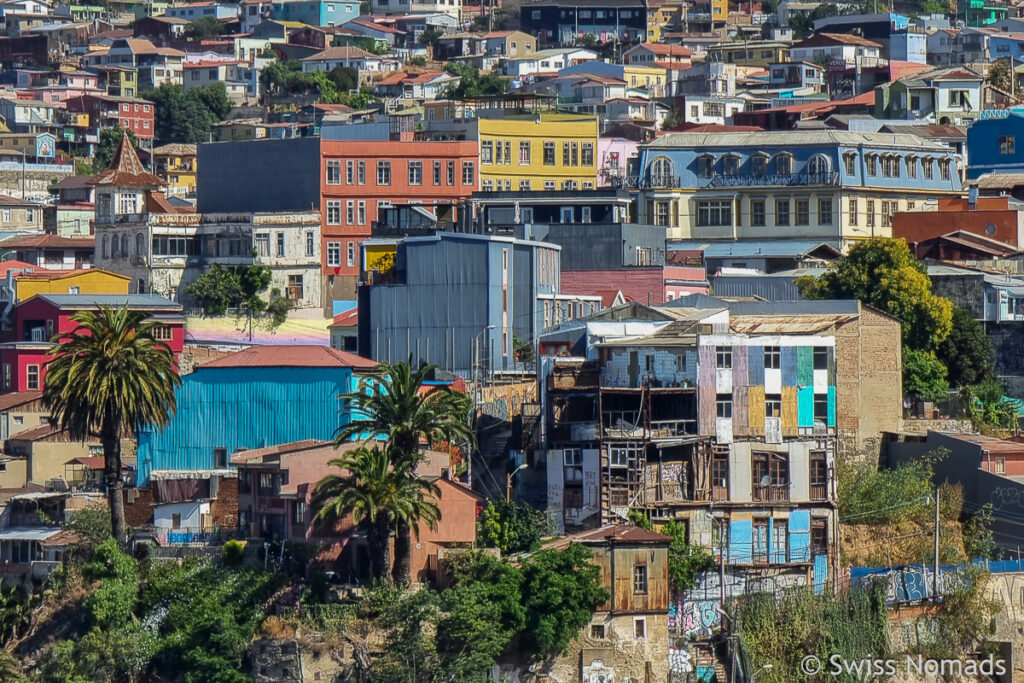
<point x="261" y="396"/>
<point x="992" y="144"/>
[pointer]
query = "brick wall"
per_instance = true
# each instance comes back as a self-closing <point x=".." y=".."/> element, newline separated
<point x="224" y="508"/>
<point x="193" y="356"/>
<point x="139" y="513"/>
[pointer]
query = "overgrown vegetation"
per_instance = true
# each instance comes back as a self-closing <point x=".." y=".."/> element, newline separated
<point x="781" y="629"/>
<point x="513" y="527"/>
<point x="195" y="618"/>
<point x="685" y="561"/>
<point x="286" y="77"/>
<point x="473" y="82"/>
<point x="110" y="138"/>
<point x="224" y="287"/>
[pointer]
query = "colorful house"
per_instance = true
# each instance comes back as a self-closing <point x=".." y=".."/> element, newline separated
<point x="261" y="396"/>
<point x="37" y="320"/>
<point x="275" y="487"/>
<point x="542" y="151"/>
<point x="176" y="164"/>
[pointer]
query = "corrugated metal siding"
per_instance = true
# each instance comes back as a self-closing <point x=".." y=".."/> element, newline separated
<point x="755" y="365"/>
<point x="740" y="542"/>
<point x="739" y="365"/>
<point x="799" y="536"/>
<point x="831" y="406"/>
<point x="243" y="408"/>
<point x="739" y="411"/>
<point x="755" y="396"/>
<point x="706" y="390"/>
<point x="805" y="402"/>
<point x="805" y="366"/>
<point x="789" y="411"/>
<point x="789" y="366"/>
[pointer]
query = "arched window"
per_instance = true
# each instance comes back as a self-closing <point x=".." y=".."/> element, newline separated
<point x="661" y="172"/>
<point x="106" y="246"/>
<point x="115" y="246"/>
<point x="818" y="165"/>
<point x="140" y="244"/>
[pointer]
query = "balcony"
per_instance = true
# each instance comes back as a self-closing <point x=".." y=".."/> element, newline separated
<point x="819" y="491"/>
<point x="772" y="493"/>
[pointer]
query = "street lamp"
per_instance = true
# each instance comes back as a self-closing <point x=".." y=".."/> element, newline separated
<point x="508" y="481"/>
<point x="753" y="677"/>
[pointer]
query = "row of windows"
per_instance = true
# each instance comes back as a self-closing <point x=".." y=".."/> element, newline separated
<point x="718" y="213"/>
<point x="524" y="185"/>
<point x="772" y="357"/>
<point x="165" y="245"/>
<point x="772" y="406"/>
<point x="499" y="152"/>
<point x="355" y="172"/>
<point x="355" y="212"/>
<point x="334" y="254"/>
<point x="761" y="164"/>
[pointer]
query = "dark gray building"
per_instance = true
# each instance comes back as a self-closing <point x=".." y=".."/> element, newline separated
<point x="601" y="246"/>
<point x="460" y="301"/>
<point x="259" y="176"/>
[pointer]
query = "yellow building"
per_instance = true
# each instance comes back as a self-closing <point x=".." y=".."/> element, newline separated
<point x="663" y="15"/>
<point x="750" y="53"/>
<point x="91" y="281"/>
<point x="538" y="151"/>
<point x="653" y="79"/>
<point x="176" y="163"/>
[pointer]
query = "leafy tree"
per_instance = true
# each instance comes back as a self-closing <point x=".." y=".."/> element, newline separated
<point x="512" y="527"/>
<point x="929" y="7"/>
<point x="110" y="606"/>
<point x="430" y="37"/>
<point x="110" y="138"/>
<point x="224" y="287"/>
<point x="188" y="116"/>
<point x="344" y="78"/>
<point x="110" y="376"/>
<point x="204" y="27"/>
<point x="967" y="352"/>
<point x="378" y="490"/>
<point x="685" y="561"/>
<point x="561" y="590"/>
<point x="409" y="652"/>
<point x="286" y="77"/>
<point x="883" y="273"/>
<point x="998" y="74"/>
<point x="640" y="519"/>
<point x="924" y="375"/>
<point x="92" y="524"/>
<point x="987" y="405"/>
<point x="473" y="83"/>
<point x="278" y="306"/>
<point x="416" y="61"/>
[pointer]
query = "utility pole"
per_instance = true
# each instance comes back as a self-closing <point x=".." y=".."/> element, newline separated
<point x="935" y="578"/>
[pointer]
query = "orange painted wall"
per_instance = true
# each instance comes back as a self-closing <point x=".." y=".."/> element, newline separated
<point x="399" y="191"/>
<point x="953" y="214"/>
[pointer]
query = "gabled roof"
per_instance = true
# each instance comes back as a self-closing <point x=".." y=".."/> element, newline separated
<point x="126" y="170"/>
<point x="292" y="356"/>
<point x="344" y="52"/>
<point x="826" y="39"/>
<point x="613" y="534"/>
<point x="346" y="319"/>
<point x="7" y="200"/>
<point x="48" y="242"/>
<point x="665" y="50"/>
<point x="18" y="398"/>
<point x="176" y="149"/>
<point x="401" y="78"/>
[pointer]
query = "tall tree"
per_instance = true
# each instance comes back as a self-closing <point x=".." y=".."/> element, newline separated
<point x="377" y="491"/>
<point x="187" y="116"/>
<point x="967" y="352"/>
<point x="110" y="376"/>
<point x="395" y="404"/>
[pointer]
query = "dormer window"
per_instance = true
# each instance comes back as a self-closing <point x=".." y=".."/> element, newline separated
<point x="661" y="172"/>
<point x="128" y="203"/>
<point x="784" y="164"/>
<point x="819" y="165"/>
<point x="705" y="166"/>
<point x="759" y="164"/>
<point x="730" y="165"/>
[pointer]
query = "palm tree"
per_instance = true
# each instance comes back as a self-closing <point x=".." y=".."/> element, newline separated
<point x="378" y="491"/>
<point x="108" y="377"/>
<point x="393" y="404"/>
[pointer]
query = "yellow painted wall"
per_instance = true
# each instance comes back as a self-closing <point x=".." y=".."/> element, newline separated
<point x="93" y="281"/>
<point x="643" y="76"/>
<point x="536" y="129"/>
<point x="181" y="171"/>
<point x="15" y="474"/>
<point x="378" y="255"/>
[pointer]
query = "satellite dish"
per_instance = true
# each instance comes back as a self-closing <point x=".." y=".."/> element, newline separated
<point x="766" y="480"/>
<point x="990" y="229"/>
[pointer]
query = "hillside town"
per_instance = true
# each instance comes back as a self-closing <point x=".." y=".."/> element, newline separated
<point x="539" y="341"/>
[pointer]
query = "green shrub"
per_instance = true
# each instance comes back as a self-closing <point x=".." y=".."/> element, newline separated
<point x="232" y="553"/>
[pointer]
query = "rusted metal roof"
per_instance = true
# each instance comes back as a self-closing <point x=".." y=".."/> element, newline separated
<point x="788" y="324"/>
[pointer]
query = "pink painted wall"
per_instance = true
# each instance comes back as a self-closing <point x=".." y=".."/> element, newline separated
<point x="606" y="148"/>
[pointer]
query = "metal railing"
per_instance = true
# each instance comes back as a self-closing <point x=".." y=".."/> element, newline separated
<point x="773" y="493"/>
<point x="671" y="182"/>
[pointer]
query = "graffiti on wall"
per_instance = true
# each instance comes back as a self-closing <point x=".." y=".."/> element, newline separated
<point x="906" y="585"/>
<point x="696" y="615"/>
<point x="505" y="401"/>
<point x="679" y="660"/>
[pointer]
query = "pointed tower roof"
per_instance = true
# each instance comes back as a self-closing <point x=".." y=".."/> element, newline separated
<point x="126" y="170"/>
